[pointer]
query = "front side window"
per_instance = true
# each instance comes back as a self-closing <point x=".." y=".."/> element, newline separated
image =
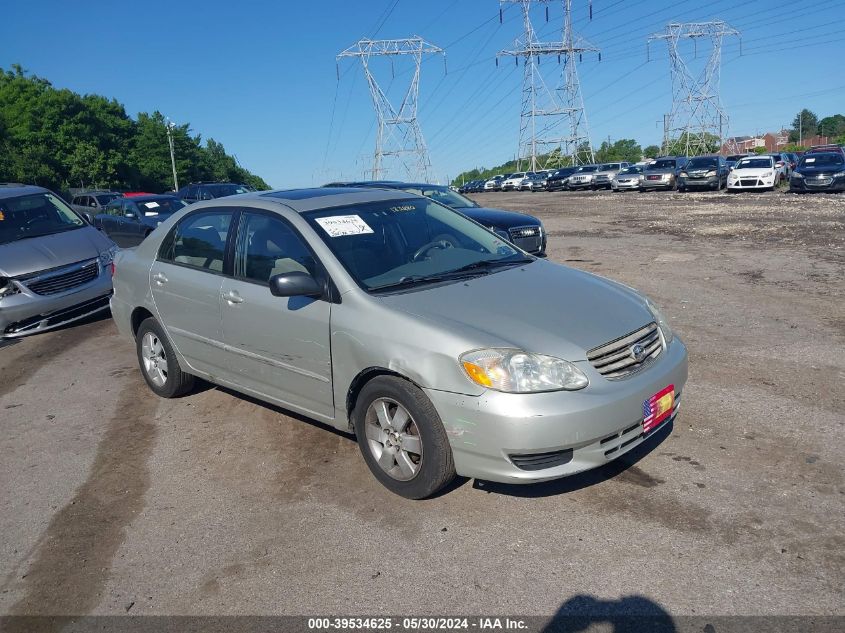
<point x="267" y="246"/>
<point x="35" y="215"/>
<point x="397" y="243"/>
<point x="199" y="241"/>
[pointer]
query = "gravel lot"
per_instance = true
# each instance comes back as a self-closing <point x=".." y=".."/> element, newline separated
<point x="112" y="501"/>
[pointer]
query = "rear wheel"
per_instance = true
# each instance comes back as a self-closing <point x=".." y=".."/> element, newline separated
<point x="402" y="438"/>
<point x="158" y="362"/>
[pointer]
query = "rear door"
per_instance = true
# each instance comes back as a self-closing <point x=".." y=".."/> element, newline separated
<point x="186" y="280"/>
<point x="279" y="346"/>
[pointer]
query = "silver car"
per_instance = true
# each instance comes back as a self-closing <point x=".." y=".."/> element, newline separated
<point x="444" y="348"/>
<point x="604" y="175"/>
<point x="628" y="179"/>
<point x="55" y="268"/>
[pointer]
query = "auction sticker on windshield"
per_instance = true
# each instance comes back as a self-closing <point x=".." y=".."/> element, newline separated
<point x="341" y="225"/>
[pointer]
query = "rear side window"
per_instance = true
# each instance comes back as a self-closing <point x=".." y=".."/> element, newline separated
<point x="199" y="241"/>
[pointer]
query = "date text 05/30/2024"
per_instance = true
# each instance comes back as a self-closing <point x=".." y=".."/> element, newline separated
<point x="416" y="624"/>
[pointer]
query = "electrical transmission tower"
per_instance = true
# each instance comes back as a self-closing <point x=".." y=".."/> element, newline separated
<point x="553" y="124"/>
<point x="697" y="119"/>
<point x="398" y="137"/>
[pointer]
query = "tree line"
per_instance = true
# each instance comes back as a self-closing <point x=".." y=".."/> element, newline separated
<point x="59" y="139"/>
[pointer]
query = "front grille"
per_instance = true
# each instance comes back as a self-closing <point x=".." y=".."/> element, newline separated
<point x="819" y="182"/>
<point x="617" y="359"/>
<point x="541" y="461"/>
<point x="528" y="238"/>
<point x="62" y="279"/>
<point x="748" y="183"/>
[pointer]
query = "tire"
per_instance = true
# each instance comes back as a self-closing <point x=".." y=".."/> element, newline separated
<point x="410" y="474"/>
<point x="153" y="347"/>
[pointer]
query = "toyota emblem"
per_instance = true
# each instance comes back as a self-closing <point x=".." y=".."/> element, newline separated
<point x="637" y="352"/>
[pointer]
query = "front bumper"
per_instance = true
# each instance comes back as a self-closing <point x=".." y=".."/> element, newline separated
<point x="816" y="184"/>
<point x="625" y="185"/>
<point x="580" y="184"/>
<point x="705" y="182"/>
<point x="27" y="312"/>
<point x="663" y="183"/>
<point x="555" y="185"/>
<point x="491" y="433"/>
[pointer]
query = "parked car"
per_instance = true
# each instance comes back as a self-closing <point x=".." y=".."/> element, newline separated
<point x="340" y="305"/>
<point x="127" y="221"/>
<point x="521" y="229"/>
<point x="825" y="149"/>
<point x="494" y="183"/>
<point x="560" y="179"/>
<point x="754" y="173"/>
<point x="211" y="190"/>
<point x="704" y="172"/>
<point x="525" y="183"/>
<point x="628" y="179"/>
<point x="735" y="158"/>
<point x="478" y="187"/>
<point x="91" y="203"/>
<point x="605" y="173"/>
<point x="663" y="173"/>
<point x="583" y="177"/>
<point x="55" y="268"/>
<point x="793" y="160"/>
<point x="512" y="182"/>
<point x="783" y="166"/>
<point x="819" y="171"/>
<point x="538" y="182"/>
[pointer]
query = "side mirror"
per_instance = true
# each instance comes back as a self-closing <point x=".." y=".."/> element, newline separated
<point x="129" y="214"/>
<point x="88" y="217"/>
<point x="295" y="284"/>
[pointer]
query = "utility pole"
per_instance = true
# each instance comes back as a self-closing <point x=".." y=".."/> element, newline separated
<point x="398" y="134"/>
<point x="558" y="113"/>
<point x="697" y="114"/>
<point x="170" y="125"/>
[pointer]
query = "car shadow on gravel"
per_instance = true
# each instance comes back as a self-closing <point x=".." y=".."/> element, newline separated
<point x="624" y="464"/>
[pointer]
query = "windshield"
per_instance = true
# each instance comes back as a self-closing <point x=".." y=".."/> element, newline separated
<point x="35" y="215"/>
<point x="697" y="163"/>
<point x="105" y="198"/>
<point x="587" y="168"/>
<point x="160" y="206"/>
<point x="443" y="195"/>
<point x="754" y="163"/>
<point x="565" y="172"/>
<point x="609" y="166"/>
<point x="634" y="169"/>
<point x="822" y="160"/>
<point x="402" y="243"/>
<point x="663" y="164"/>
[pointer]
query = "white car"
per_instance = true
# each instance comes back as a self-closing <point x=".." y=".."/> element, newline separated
<point x="494" y="183"/>
<point x="513" y="181"/>
<point x="754" y="173"/>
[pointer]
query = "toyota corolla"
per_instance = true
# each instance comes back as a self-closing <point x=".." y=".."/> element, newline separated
<point x="444" y="348"/>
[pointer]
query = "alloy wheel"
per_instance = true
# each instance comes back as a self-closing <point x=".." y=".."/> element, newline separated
<point x="394" y="439"/>
<point x="154" y="359"/>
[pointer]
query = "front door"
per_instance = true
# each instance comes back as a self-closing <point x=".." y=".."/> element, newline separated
<point x="279" y="346"/>
<point x="186" y="281"/>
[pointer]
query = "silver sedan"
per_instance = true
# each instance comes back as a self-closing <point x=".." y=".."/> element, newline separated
<point x="444" y="348"/>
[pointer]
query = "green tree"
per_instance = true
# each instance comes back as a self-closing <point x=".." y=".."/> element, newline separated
<point x="832" y="125"/>
<point x="652" y="151"/>
<point x="626" y="149"/>
<point x="804" y="125"/>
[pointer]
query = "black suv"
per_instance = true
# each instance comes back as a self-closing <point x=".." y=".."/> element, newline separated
<point x="211" y="190"/>
<point x="558" y="180"/>
<point x="520" y="229"/>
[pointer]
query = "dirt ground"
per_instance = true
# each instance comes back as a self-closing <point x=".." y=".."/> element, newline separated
<point x="113" y="501"/>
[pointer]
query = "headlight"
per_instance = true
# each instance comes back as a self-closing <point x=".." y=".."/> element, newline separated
<point x="515" y="371"/>
<point x="106" y="257"/>
<point x="683" y="174"/>
<point x="767" y="174"/>
<point x="712" y="172"/>
<point x="7" y="287"/>
<point x="796" y="174"/>
<point x="662" y="323"/>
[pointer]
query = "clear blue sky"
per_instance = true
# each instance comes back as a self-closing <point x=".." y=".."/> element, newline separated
<point x="260" y="76"/>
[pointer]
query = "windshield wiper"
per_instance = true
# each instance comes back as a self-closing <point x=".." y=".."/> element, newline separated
<point x="484" y="266"/>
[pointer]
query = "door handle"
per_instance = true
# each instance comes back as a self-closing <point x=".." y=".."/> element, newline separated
<point x="159" y="279"/>
<point x="233" y="297"/>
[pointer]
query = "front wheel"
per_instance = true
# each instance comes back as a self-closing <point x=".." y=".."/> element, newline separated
<point x="402" y="438"/>
<point x="158" y="362"/>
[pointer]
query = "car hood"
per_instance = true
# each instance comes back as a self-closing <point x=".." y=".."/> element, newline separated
<point x="51" y="251"/>
<point x="752" y="172"/>
<point x="499" y="217"/>
<point x="541" y="307"/>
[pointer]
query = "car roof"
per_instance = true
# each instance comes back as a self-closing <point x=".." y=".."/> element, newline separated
<point x="151" y="196"/>
<point x="15" y="189"/>
<point x="302" y="200"/>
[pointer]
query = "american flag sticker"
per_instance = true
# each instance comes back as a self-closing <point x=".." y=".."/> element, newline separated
<point x="657" y="408"/>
